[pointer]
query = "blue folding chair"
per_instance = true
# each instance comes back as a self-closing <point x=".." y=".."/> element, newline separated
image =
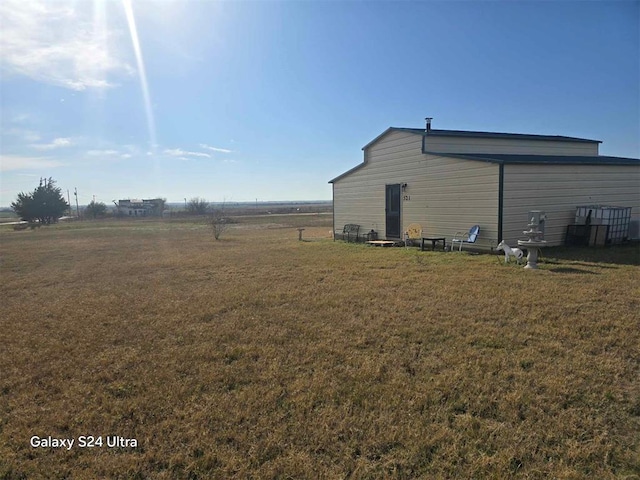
<point x="469" y="237"/>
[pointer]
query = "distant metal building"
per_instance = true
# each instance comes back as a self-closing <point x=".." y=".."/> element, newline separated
<point x="449" y="180"/>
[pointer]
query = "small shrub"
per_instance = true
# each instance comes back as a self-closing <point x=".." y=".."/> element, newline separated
<point x="219" y="222"/>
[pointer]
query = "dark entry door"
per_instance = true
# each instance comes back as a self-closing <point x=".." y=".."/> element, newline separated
<point x="392" y="209"/>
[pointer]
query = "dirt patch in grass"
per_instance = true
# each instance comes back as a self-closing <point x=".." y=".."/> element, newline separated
<point x="259" y="356"/>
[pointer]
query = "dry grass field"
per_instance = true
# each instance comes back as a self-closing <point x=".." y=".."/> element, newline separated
<point x="259" y="356"/>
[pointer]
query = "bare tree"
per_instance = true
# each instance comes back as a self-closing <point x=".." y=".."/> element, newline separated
<point x="218" y="221"/>
<point x="197" y="206"/>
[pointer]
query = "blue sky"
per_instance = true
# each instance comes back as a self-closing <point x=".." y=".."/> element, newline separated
<point x="239" y="100"/>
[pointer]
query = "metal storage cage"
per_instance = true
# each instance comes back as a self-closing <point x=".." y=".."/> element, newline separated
<point x="616" y="218"/>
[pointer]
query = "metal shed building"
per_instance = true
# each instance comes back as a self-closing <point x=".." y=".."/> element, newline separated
<point x="449" y="180"/>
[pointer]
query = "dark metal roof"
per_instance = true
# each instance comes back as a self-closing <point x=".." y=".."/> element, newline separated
<point x="391" y="129"/>
<point x="506" y="158"/>
<point x="518" y="136"/>
<point x="470" y="134"/>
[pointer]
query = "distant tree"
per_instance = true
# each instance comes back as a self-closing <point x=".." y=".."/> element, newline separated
<point x="197" y="206"/>
<point x="159" y="207"/>
<point x="46" y="204"/>
<point x="95" y="209"/>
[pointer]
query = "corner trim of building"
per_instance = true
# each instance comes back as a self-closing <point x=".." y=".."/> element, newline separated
<point x="333" y="210"/>
<point x="500" y="200"/>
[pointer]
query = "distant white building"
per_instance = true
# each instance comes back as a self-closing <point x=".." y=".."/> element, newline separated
<point x="140" y="208"/>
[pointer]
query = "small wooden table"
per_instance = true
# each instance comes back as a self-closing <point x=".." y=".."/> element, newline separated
<point x="434" y="241"/>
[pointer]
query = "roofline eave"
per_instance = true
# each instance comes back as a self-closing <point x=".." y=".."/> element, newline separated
<point x="519" y="159"/>
<point x="348" y="172"/>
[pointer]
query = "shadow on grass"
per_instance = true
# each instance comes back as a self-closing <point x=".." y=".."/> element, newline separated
<point x="628" y="254"/>
<point x="551" y="261"/>
<point x="572" y="270"/>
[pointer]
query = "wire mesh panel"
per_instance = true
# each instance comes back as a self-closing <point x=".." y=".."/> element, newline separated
<point x="616" y="218"/>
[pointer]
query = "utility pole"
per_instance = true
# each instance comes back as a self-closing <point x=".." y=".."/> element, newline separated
<point x="77" y="207"/>
<point x="69" y="202"/>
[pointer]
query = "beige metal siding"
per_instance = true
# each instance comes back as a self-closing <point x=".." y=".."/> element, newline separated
<point x="360" y="197"/>
<point x="443" y="195"/>
<point x="455" y="195"/>
<point x="445" y="144"/>
<point x="559" y="189"/>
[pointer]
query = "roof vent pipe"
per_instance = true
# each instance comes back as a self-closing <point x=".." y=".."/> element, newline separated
<point x="428" y="127"/>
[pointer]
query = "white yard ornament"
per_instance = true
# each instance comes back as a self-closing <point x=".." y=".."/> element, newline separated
<point x="508" y="252"/>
